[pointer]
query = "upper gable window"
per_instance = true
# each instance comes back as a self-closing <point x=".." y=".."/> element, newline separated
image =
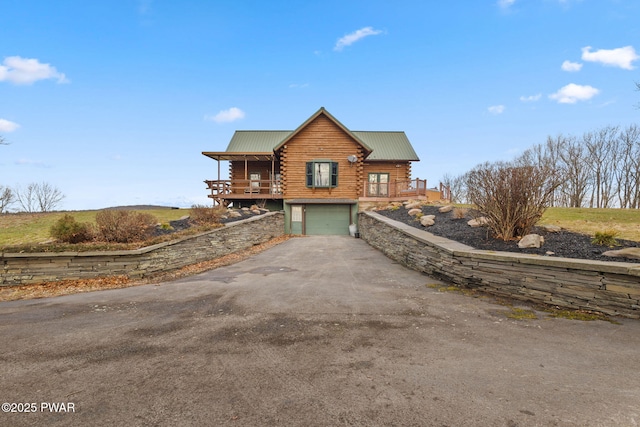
<point x="322" y="173"/>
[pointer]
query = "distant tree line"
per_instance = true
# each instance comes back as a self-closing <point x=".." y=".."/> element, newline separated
<point x="35" y="197"/>
<point x="599" y="169"/>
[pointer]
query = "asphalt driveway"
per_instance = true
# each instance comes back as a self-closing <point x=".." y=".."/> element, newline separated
<point x="315" y="331"/>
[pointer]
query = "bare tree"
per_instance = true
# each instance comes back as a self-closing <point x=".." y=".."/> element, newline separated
<point x="601" y="146"/>
<point x="456" y="186"/>
<point x="574" y="168"/>
<point x="628" y="166"/>
<point x="39" y="197"/>
<point x="6" y="198"/>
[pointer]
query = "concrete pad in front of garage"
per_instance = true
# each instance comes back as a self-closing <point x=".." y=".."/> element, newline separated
<point x="321" y="330"/>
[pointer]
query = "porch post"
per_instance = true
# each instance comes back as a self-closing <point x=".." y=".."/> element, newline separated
<point x="219" y="184"/>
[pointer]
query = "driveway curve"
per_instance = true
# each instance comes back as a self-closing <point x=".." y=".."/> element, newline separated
<point x="317" y="331"/>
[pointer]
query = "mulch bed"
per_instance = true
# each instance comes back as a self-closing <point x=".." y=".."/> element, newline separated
<point x="564" y="243"/>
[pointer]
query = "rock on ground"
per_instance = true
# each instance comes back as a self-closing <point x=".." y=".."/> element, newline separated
<point x="427" y="221"/>
<point x="478" y="222"/>
<point x="531" y="241"/>
<point x="631" y="253"/>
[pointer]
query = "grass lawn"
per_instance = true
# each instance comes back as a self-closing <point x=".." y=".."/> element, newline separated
<point x="585" y="220"/>
<point x="31" y="229"/>
<point x="27" y="229"/>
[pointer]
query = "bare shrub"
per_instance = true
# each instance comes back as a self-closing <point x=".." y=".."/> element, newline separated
<point x="512" y="198"/>
<point x="459" y="213"/>
<point x="206" y="215"/>
<point x="124" y="226"/>
<point x="68" y="230"/>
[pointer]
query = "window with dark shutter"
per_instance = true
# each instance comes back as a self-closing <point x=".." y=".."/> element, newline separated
<point x="322" y="174"/>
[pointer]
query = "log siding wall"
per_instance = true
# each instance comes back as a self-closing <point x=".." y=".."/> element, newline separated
<point x="401" y="173"/>
<point x="321" y="139"/>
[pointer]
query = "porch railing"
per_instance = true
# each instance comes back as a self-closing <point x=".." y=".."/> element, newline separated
<point x="410" y="188"/>
<point x="249" y="188"/>
<point x="272" y="189"/>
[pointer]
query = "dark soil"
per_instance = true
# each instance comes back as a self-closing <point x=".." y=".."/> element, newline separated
<point x="564" y="243"/>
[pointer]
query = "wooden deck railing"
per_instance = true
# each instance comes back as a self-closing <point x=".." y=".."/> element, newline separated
<point x="411" y="188"/>
<point x="226" y="189"/>
<point x="244" y="189"/>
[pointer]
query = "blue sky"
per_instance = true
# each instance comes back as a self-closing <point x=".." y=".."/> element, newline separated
<point x="114" y="101"/>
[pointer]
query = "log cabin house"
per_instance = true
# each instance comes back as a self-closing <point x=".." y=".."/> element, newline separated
<point x="319" y="174"/>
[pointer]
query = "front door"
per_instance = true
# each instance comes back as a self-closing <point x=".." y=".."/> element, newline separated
<point x="297" y="217"/>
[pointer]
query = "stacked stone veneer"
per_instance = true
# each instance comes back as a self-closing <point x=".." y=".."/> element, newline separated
<point x="25" y="268"/>
<point x="609" y="287"/>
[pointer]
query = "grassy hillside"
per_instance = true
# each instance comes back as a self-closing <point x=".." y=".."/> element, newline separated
<point x="25" y="229"/>
<point x="585" y="220"/>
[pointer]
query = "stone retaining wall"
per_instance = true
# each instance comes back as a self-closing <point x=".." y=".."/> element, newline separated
<point x="609" y="287"/>
<point x="25" y="268"/>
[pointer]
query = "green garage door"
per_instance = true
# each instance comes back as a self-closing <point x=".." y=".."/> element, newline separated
<point x="327" y="219"/>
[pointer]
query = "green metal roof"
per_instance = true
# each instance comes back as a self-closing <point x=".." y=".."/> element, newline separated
<point x="256" y="141"/>
<point x="388" y="145"/>
<point x="379" y="145"/>
<point x="385" y="145"/>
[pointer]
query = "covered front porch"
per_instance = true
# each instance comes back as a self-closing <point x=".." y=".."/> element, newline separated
<point x="252" y="176"/>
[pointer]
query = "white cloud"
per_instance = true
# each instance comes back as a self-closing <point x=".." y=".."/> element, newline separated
<point x="571" y="66"/>
<point x="572" y="93"/>
<point x="350" y="39"/>
<point x="144" y="6"/>
<point x="531" y="98"/>
<point x="505" y="4"/>
<point x="7" y="126"/>
<point x="621" y="57"/>
<point x="34" y="163"/>
<point x="25" y="71"/>
<point x="227" y="116"/>
<point x="496" y="109"/>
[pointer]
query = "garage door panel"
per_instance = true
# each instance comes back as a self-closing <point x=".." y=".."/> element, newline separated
<point x="327" y="219"/>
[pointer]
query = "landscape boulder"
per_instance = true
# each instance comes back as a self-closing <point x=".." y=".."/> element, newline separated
<point x="445" y="209"/>
<point x="413" y="205"/>
<point x="427" y="220"/>
<point x="414" y="211"/>
<point x="631" y="253"/>
<point x="478" y="222"/>
<point x="234" y="214"/>
<point x="531" y="241"/>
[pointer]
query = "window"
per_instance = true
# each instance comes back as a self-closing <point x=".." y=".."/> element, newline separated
<point x="379" y="184"/>
<point x="322" y="173"/>
<point x="254" y="177"/>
